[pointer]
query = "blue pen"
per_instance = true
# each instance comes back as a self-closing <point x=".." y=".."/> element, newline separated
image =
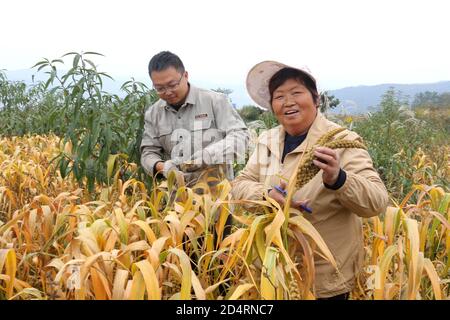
<point x="284" y="193"/>
<point x="306" y="208"/>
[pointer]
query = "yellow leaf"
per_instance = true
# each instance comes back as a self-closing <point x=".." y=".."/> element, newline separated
<point x="253" y="228"/>
<point x="259" y="241"/>
<point x="90" y="261"/>
<point x="383" y="271"/>
<point x="123" y="225"/>
<point x="412" y="255"/>
<point x="186" y="282"/>
<point x="240" y="290"/>
<point x="213" y="287"/>
<point x="110" y="164"/>
<point x="390" y="223"/>
<point x="198" y="289"/>
<point x="268" y="284"/>
<point x="150" y="279"/>
<point x="275" y="227"/>
<point x="306" y="227"/>
<point x="434" y="278"/>
<point x="137" y="246"/>
<point x="8" y="258"/>
<point x="100" y="285"/>
<point x="11" y="222"/>
<point x="137" y="287"/>
<point x="120" y="281"/>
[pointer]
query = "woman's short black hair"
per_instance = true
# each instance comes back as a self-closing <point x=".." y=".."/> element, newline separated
<point x="164" y="60"/>
<point x="290" y="73"/>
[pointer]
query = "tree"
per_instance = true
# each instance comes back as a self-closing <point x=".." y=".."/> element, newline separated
<point x="328" y="101"/>
<point x="444" y="100"/>
<point x="250" y="113"/>
<point x="426" y="99"/>
<point x="225" y="91"/>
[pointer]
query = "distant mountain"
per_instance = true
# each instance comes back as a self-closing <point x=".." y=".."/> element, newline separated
<point x="361" y="99"/>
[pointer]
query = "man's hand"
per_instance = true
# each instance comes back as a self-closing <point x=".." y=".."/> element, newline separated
<point x="328" y="161"/>
<point x="159" y="166"/>
<point x="168" y="166"/>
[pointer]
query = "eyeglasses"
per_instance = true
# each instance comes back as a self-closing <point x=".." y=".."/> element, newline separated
<point x="169" y="87"/>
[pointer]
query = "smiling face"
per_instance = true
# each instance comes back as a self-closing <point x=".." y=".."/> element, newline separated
<point x="294" y="106"/>
<point x="171" y="85"/>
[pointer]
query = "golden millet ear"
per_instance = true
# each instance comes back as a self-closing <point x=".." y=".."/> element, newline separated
<point x="341" y="143"/>
<point x="328" y="136"/>
<point x="306" y="168"/>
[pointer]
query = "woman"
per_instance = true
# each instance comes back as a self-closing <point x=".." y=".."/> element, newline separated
<point x="346" y="188"/>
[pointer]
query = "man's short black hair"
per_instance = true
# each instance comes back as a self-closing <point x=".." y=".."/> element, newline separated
<point x="290" y="73"/>
<point x="164" y="60"/>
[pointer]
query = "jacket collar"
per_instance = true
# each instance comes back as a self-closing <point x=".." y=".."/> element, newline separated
<point x="317" y="129"/>
<point x="192" y="95"/>
<point x="274" y="139"/>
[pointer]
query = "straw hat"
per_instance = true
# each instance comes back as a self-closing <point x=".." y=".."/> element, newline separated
<point x="258" y="80"/>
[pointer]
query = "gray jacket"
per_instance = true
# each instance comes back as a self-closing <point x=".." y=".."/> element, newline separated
<point x="206" y="122"/>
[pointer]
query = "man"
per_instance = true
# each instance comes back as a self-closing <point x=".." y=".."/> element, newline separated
<point x="189" y="130"/>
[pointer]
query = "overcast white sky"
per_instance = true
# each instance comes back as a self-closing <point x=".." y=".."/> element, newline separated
<point x="344" y="43"/>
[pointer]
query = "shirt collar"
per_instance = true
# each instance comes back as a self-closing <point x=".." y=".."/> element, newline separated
<point x="290" y="138"/>
<point x="190" y="98"/>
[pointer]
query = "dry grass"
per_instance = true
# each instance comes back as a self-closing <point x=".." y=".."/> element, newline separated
<point x="131" y="243"/>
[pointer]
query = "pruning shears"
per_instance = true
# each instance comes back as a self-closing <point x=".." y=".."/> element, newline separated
<point x="284" y="193"/>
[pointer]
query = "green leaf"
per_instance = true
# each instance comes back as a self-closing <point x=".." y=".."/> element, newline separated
<point x="96" y="53"/>
<point x="76" y="60"/>
<point x="91" y="64"/>
<point x="48" y="82"/>
<point x="63" y="163"/>
<point x="106" y="75"/>
<point x="77" y="170"/>
<point x="95" y="132"/>
<point x="108" y="137"/>
<point x="70" y="53"/>
<point x="40" y="63"/>
<point x="84" y="148"/>
<point x="90" y="174"/>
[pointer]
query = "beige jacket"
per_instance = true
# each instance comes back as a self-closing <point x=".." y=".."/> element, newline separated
<point x="336" y="213"/>
<point x="206" y="122"/>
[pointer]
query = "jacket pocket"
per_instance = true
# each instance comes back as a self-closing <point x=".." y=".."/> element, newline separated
<point x="200" y="124"/>
<point x="164" y="136"/>
<point x="204" y="133"/>
<point x="161" y="132"/>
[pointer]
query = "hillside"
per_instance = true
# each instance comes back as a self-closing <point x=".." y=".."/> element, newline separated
<point x="361" y="99"/>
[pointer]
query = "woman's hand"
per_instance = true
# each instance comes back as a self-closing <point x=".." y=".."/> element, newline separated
<point x="277" y="195"/>
<point x="328" y="161"/>
<point x="280" y="198"/>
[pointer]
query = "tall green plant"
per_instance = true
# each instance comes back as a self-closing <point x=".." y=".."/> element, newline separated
<point x="99" y="126"/>
<point x="17" y="103"/>
<point x="394" y="134"/>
